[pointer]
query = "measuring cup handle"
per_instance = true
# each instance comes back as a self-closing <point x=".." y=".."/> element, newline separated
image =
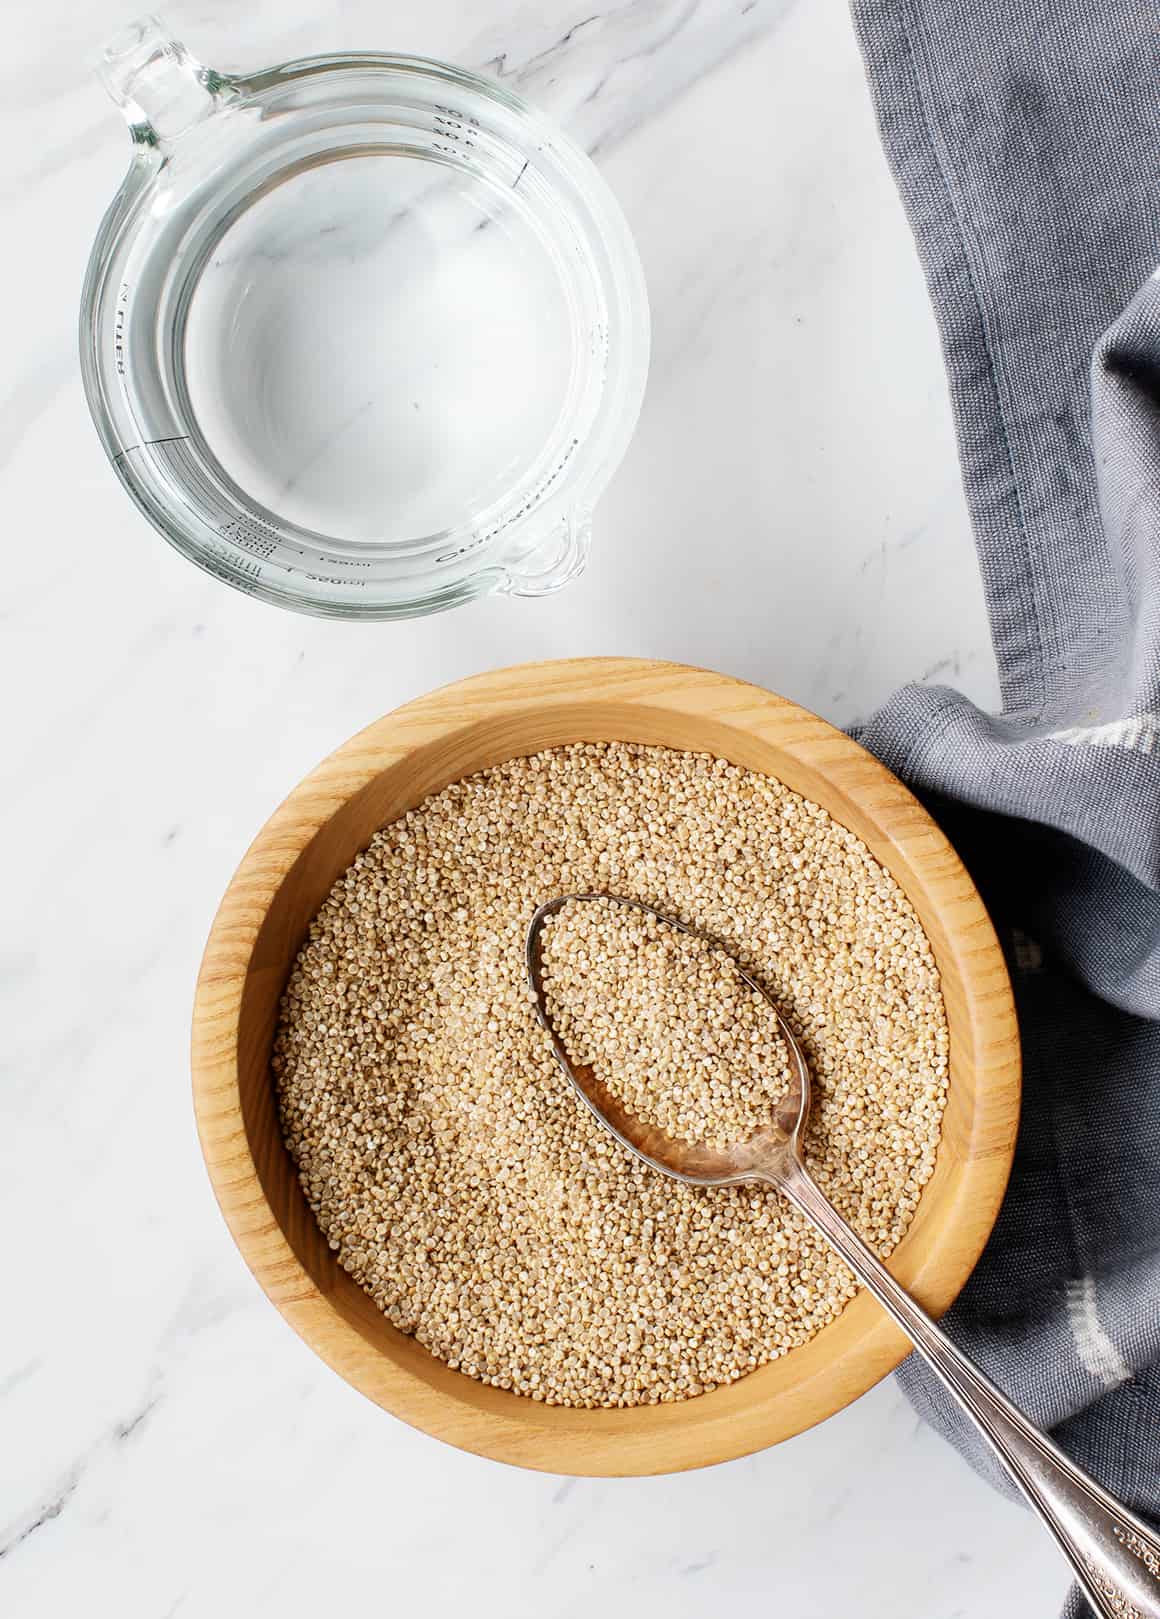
<point x="160" y="88"/>
<point x="551" y="561"/>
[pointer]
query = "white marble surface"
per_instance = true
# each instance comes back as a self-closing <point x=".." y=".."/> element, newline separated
<point x="789" y="511"/>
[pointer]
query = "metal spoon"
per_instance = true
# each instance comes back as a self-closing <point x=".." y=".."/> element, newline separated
<point x="1115" y="1556"/>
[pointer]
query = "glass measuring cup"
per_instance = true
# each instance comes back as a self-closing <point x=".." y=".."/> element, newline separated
<point x="362" y="335"/>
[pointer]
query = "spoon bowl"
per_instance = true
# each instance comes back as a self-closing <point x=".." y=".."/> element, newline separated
<point x="691" y="1161"/>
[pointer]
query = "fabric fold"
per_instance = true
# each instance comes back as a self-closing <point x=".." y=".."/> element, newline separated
<point x="1024" y="140"/>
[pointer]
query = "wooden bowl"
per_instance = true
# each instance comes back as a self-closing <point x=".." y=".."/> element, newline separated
<point x="388" y="769"/>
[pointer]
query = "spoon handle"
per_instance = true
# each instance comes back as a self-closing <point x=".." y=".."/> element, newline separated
<point x="1116" y="1557"/>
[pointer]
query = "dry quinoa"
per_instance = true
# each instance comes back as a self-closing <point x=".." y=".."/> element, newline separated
<point x="664" y="1020"/>
<point x="450" y="1165"/>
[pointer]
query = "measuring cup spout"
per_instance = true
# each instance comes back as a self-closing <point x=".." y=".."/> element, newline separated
<point x="160" y="88"/>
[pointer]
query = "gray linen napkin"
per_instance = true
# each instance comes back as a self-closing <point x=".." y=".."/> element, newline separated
<point x="1025" y="140"/>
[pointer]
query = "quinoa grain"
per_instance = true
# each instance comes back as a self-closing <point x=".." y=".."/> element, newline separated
<point x="450" y="1166"/>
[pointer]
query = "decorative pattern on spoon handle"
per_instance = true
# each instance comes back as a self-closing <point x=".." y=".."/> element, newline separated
<point x="1118" y="1605"/>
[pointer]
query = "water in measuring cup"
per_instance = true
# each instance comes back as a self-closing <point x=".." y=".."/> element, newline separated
<point x="378" y="348"/>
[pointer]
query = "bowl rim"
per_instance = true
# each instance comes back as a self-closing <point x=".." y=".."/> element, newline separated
<point x="507" y="1427"/>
